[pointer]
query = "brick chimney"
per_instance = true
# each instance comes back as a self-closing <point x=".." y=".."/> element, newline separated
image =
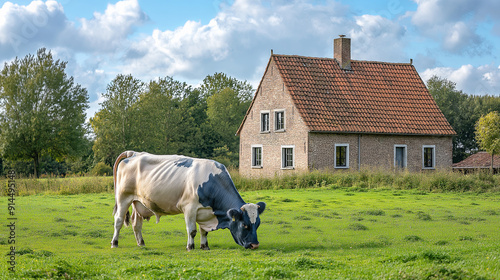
<point x="342" y="51"/>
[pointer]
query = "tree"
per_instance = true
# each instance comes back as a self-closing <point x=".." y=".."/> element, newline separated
<point x="458" y="109"/>
<point x="113" y="124"/>
<point x="488" y="134"/>
<point x="159" y="116"/>
<point x="227" y="101"/>
<point x="43" y="110"/>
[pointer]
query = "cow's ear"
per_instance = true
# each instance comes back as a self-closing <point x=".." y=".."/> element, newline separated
<point x="235" y="214"/>
<point x="262" y="207"/>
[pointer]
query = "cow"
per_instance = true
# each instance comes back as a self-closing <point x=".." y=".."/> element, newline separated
<point x="201" y="189"/>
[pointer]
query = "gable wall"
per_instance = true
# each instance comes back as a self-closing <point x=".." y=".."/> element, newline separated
<point x="271" y="96"/>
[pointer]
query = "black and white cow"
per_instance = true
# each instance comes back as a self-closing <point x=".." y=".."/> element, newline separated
<point x="170" y="184"/>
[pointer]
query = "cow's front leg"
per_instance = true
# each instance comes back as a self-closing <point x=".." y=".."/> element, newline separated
<point x="190" y="217"/>
<point x="137" y="226"/>
<point x="203" y="240"/>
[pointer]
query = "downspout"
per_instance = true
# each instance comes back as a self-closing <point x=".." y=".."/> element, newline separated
<point x="359" y="152"/>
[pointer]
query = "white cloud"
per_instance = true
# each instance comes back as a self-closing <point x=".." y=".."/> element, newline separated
<point x="238" y="40"/>
<point x="24" y="28"/>
<point x="471" y="80"/>
<point x="454" y="23"/>
<point x="377" y="38"/>
<point x="106" y="32"/>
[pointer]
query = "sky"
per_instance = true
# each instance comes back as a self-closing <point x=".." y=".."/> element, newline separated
<point x="458" y="40"/>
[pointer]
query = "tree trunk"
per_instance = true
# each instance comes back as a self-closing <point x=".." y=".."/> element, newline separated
<point x="36" y="162"/>
<point x="491" y="167"/>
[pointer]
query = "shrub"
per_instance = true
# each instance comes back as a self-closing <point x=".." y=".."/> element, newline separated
<point x="101" y="169"/>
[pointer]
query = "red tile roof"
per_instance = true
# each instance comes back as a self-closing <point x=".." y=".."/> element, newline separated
<point x="373" y="97"/>
<point x="478" y="160"/>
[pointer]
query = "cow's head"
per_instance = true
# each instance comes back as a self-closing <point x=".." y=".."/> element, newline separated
<point x="244" y="224"/>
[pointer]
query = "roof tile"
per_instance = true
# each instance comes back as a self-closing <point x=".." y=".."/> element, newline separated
<point x="373" y="97"/>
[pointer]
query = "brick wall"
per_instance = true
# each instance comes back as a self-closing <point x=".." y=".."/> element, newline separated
<point x="272" y="96"/>
<point x="377" y="151"/>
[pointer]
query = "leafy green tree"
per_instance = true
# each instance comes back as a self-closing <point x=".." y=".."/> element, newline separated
<point x="227" y="101"/>
<point x="225" y="111"/>
<point x="113" y="124"/>
<point x="157" y="122"/>
<point x="219" y="81"/>
<point x="488" y="134"/>
<point x="43" y="110"/>
<point x="458" y="109"/>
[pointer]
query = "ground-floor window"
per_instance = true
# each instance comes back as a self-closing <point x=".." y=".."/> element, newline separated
<point x="287" y="157"/>
<point x="257" y="156"/>
<point x="341" y="155"/>
<point x="400" y="156"/>
<point x="429" y="156"/>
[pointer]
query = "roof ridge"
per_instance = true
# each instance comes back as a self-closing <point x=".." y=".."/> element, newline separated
<point x="352" y="60"/>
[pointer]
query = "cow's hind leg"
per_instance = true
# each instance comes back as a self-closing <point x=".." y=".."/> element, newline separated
<point x="121" y="211"/>
<point x="203" y="240"/>
<point x="137" y="226"/>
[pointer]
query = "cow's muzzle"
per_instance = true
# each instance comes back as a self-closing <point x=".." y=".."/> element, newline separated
<point x="253" y="246"/>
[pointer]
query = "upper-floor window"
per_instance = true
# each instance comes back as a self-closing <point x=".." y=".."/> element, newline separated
<point x="264" y="122"/>
<point x="429" y="156"/>
<point x="341" y="155"/>
<point x="279" y="120"/>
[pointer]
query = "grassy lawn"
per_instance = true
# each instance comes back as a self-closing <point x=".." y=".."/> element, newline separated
<point x="314" y="233"/>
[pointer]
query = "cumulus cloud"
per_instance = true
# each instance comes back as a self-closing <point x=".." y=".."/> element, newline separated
<point x="377" y="38"/>
<point x="106" y="31"/>
<point x="23" y="28"/>
<point x="453" y="23"/>
<point x="480" y="80"/>
<point x="240" y="34"/>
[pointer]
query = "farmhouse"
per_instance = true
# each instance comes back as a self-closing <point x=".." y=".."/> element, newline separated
<point x="341" y="114"/>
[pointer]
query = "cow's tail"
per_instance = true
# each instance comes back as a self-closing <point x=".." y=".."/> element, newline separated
<point x="123" y="155"/>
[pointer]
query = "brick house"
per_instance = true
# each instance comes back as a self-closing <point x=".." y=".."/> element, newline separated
<point x="337" y="114"/>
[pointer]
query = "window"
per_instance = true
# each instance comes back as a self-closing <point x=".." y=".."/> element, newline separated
<point x="264" y="122"/>
<point x="257" y="156"/>
<point x="429" y="157"/>
<point x="279" y="120"/>
<point x="400" y="156"/>
<point x="287" y="157"/>
<point x="341" y="155"/>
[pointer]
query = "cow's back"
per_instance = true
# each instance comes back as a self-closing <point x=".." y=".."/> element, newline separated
<point x="163" y="183"/>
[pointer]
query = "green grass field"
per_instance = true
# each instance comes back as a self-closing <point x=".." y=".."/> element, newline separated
<point x="316" y="233"/>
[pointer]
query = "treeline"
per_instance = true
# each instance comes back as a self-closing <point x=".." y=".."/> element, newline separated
<point x="462" y="111"/>
<point x="166" y="116"/>
<point x="162" y="116"/>
<point x="43" y="128"/>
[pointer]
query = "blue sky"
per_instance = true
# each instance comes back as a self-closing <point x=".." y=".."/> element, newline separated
<point x="188" y="40"/>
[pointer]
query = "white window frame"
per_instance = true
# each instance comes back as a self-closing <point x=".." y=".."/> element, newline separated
<point x="253" y="156"/>
<point x="262" y="113"/>
<point x="283" y="156"/>
<point x="405" y="155"/>
<point x="347" y="156"/>
<point x="433" y="147"/>
<point x="276" y="112"/>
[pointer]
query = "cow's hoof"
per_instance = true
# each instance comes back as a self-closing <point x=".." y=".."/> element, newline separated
<point x="204" y="247"/>
<point x="141" y="244"/>
<point x="190" y="247"/>
<point x="114" y="244"/>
